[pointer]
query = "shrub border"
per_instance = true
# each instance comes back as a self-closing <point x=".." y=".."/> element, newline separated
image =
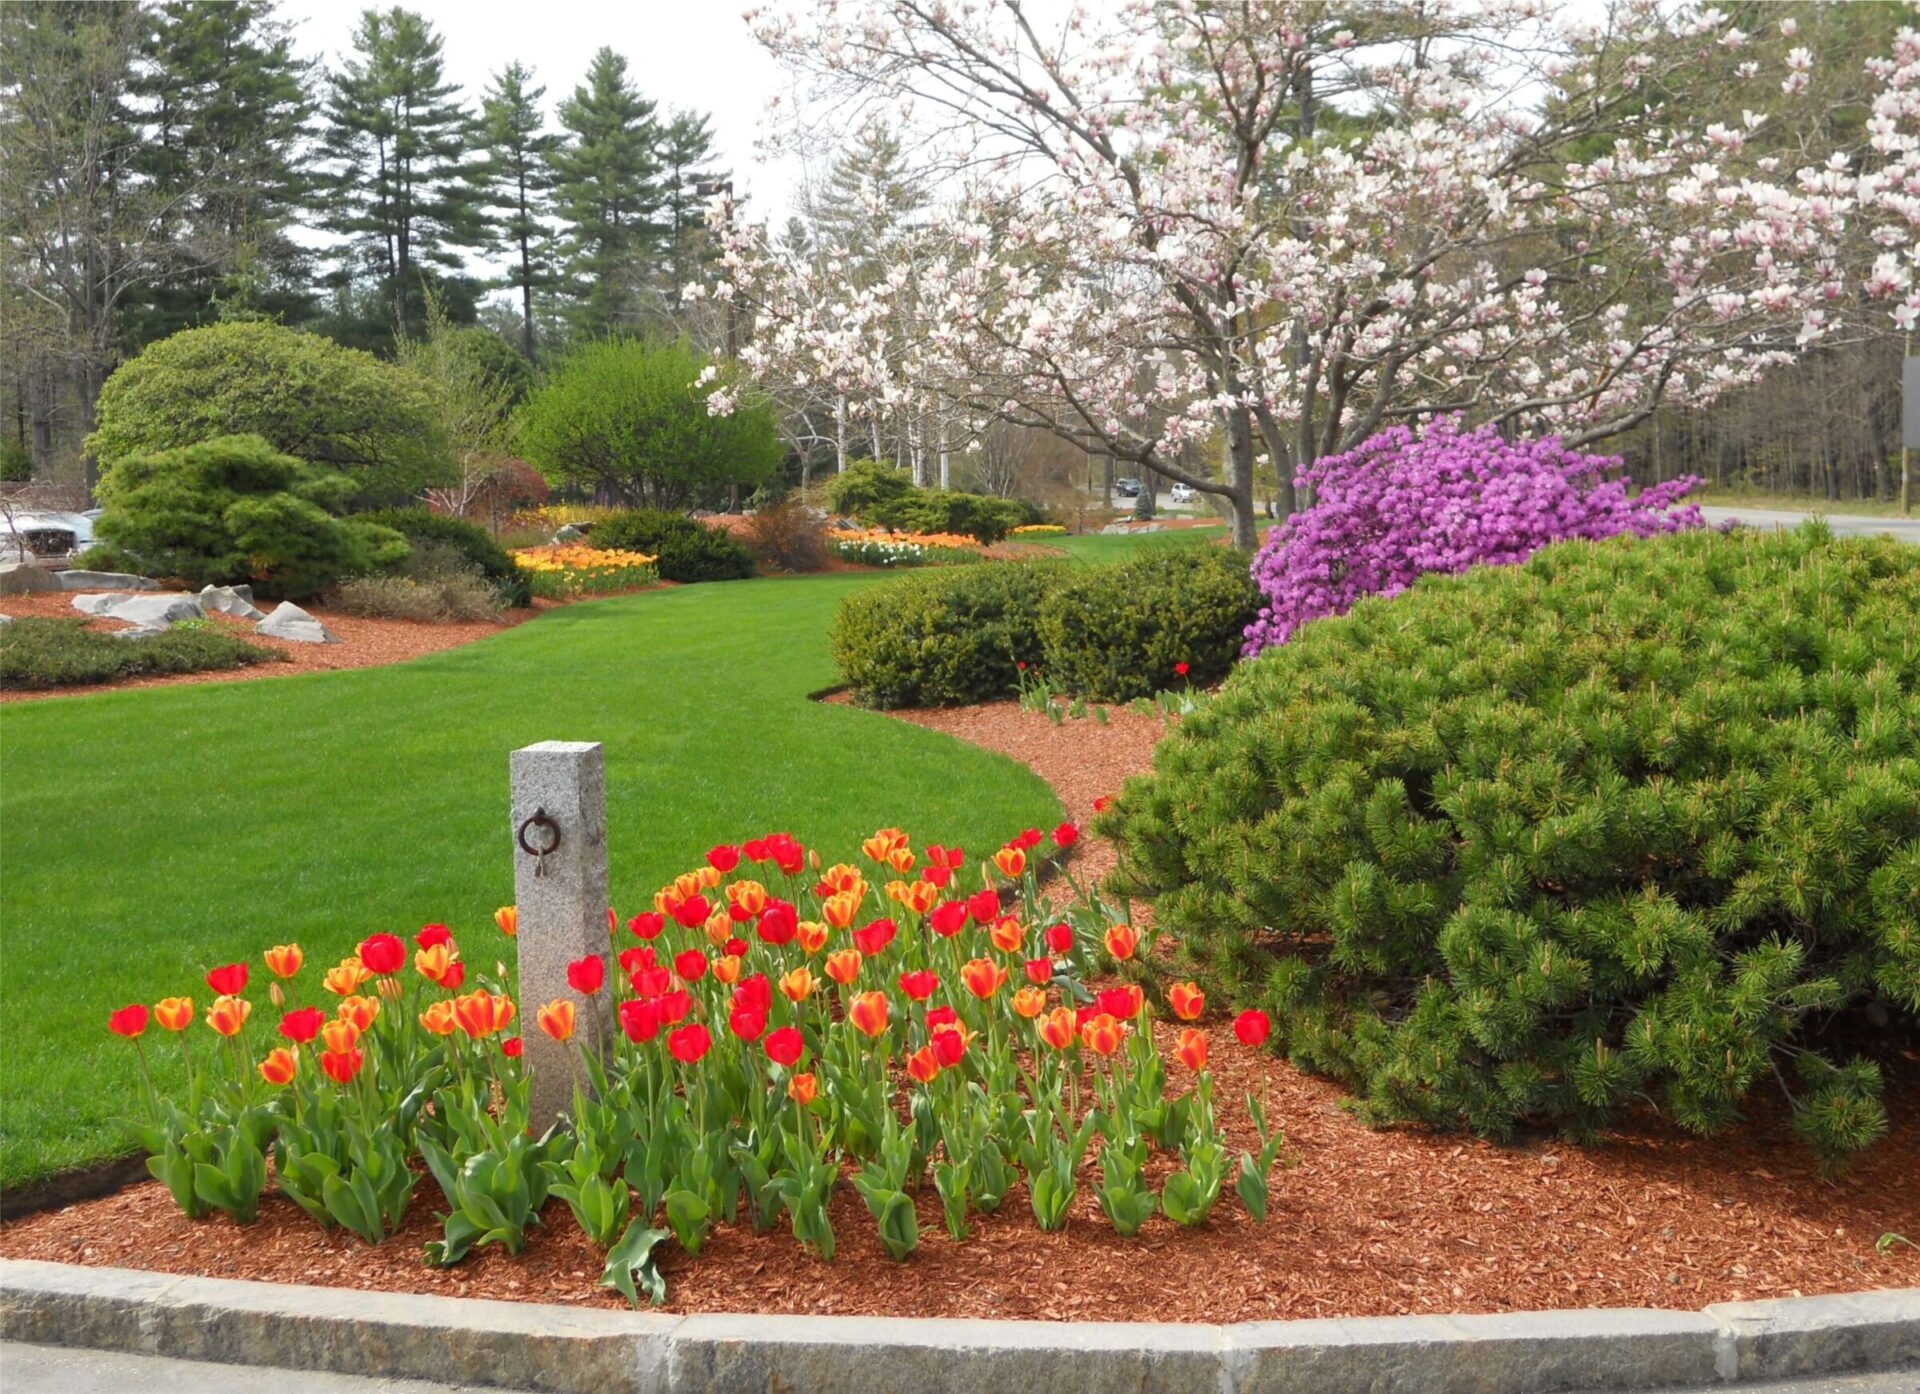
<point x="565" y="1349"/>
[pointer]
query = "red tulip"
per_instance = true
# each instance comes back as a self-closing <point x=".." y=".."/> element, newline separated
<point x="950" y="917"/>
<point x="941" y="1016"/>
<point x="228" y="981"/>
<point x="432" y="934"/>
<point x="936" y="875"/>
<point x="784" y="1045"/>
<point x="1124" y="1001"/>
<point x="585" y="975"/>
<point x="455" y="975"/>
<point x="723" y="858"/>
<point x="688" y="1043"/>
<point x="649" y="925"/>
<point x="1253" y="1026"/>
<point x="778" y="923"/>
<point x="342" y="1065"/>
<point x="874" y="936"/>
<point x="640" y="1019"/>
<point x="690" y="964"/>
<point x="1181" y="668"/>
<point x="675" y="1005"/>
<point x="381" y="954"/>
<point x="746" y="1023"/>
<point x="1029" y="838"/>
<point x="755" y="849"/>
<point x="129" y="1021"/>
<point x="303" y="1025"/>
<point x="635" y="957"/>
<point x="1060" y="938"/>
<point x="948" y="1046"/>
<point x="919" y="984"/>
<point x="755" y="993"/>
<point x="1039" y="971"/>
<point x="737" y="946"/>
<point x="652" y="981"/>
<point x="511" y="1047"/>
<point x="692" y="912"/>
<point x="984" y="906"/>
<point x="1065" y="835"/>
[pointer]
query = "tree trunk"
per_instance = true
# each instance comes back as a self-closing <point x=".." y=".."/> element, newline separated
<point x="1239" y="450"/>
<point x="840" y="434"/>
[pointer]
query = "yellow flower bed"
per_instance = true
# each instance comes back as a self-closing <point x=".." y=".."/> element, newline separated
<point x="1039" y="530"/>
<point x="567" y="569"/>
<point x="557" y="515"/>
<point x="915" y="539"/>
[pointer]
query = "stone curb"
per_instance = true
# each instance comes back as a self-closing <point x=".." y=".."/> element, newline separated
<point x="566" y="1350"/>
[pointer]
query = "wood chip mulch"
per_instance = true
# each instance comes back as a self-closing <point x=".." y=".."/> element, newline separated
<point x="1363" y="1221"/>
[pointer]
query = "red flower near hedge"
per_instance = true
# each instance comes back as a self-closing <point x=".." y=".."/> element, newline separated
<point x="432" y="934"/>
<point x="784" y="1045"/>
<point x="950" y="917"/>
<point x="303" y="1025"/>
<point x="1180" y="668"/>
<point x="919" y="983"/>
<point x="690" y="964"/>
<point x="228" y="980"/>
<point x="649" y="925"/>
<point x="381" y="954"/>
<point x="1060" y="938"/>
<point x="640" y="1019"/>
<point x="1253" y="1026"/>
<point x="584" y="975"/>
<point x="129" y="1021"/>
<point x="1103" y="803"/>
<point x="723" y="858"/>
<point x="1066" y="835"/>
<point x="688" y="1043"/>
<point x="984" y="906"/>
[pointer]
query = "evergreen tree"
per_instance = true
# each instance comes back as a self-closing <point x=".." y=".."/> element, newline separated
<point x="405" y="192"/>
<point x="870" y="193"/>
<point x="607" y="189"/>
<point x="227" y="105"/>
<point x="519" y="180"/>
<point x="686" y="164"/>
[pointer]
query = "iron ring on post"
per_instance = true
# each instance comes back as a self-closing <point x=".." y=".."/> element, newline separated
<point x="540" y="820"/>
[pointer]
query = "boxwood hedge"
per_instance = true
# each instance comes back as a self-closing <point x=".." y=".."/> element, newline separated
<point x="936" y="638"/>
<point x="1637" y="819"/>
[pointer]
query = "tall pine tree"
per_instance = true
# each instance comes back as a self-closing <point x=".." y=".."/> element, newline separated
<point x="518" y="180"/>
<point x="607" y="189"/>
<point x="686" y="164"/>
<point x="405" y="192"/>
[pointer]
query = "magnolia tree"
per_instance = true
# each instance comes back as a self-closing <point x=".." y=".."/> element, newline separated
<point x="1277" y="227"/>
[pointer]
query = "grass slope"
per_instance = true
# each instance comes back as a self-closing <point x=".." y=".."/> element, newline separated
<point x="146" y="835"/>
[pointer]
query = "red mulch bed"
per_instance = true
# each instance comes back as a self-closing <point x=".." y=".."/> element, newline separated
<point x="1363" y="1222"/>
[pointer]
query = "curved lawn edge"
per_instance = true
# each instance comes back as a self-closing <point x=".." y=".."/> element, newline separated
<point x="570" y="1350"/>
<point x="150" y="835"/>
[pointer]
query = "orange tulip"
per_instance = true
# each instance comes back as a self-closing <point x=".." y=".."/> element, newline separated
<point x="841" y="877"/>
<point x="839" y="909"/>
<point x="813" y="936"/>
<point x="284" y="960"/>
<point x="359" y="1010"/>
<point x="868" y="1012"/>
<point x="432" y="963"/>
<point x="923" y="1065"/>
<point x="1102" y="1034"/>
<point x="346" y="976"/>
<point x="719" y="927"/>
<point x="390" y="988"/>
<point x="1122" y="940"/>
<point x="709" y="877"/>
<point x="508" y="918"/>
<point x="749" y="896"/>
<point x="556" y="1019"/>
<point x="340" y="1034"/>
<point x="798" y="984"/>
<point x="803" y="1089"/>
<point x="726" y="968"/>
<point x="174" y="1013"/>
<point x="1187" y="1001"/>
<point x="1056" y="1028"/>
<point x="228" y="1014"/>
<point x="687" y="885"/>
<point x="475" y="1013"/>
<point x="438" y="1017"/>
<point x="1029" y="1002"/>
<point x="881" y="843"/>
<point x="917" y="896"/>
<point x="1192" y="1048"/>
<point x="982" y="976"/>
<point x="1011" y="861"/>
<point x="843" y="965"/>
<point x="901" y="860"/>
<point x="1008" y="934"/>
<point x="279" y="1066"/>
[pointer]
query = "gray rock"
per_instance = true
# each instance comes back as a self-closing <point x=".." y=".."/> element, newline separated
<point x="23" y="578"/>
<point x="105" y="581"/>
<point x="98" y="604"/>
<point x="289" y="621"/>
<point x="6" y="619"/>
<point x="146" y="611"/>
<point x="572" y="532"/>
<point x="230" y="600"/>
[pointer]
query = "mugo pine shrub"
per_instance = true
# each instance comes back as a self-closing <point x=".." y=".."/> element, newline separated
<point x="1396" y="507"/>
<point x="684" y="549"/>
<point x="942" y="637"/>
<point x="1631" y="819"/>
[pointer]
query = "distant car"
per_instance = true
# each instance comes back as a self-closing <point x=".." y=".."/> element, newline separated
<point x="1181" y="493"/>
<point x="49" y="538"/>
<point x="1127" y="488"/>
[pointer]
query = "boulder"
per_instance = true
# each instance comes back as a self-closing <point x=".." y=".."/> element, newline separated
<point x="23" y="577"/>
<point x="230" y="600"/>
<point x="98" y="604"/>
<point x="104" y="581"/>
<point x="289" y="621"/>
<point x="6" y="619"/>
<point x="146" y="611"/>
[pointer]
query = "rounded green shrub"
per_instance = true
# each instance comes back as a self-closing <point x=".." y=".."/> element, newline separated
<point x="474" y="544"/>
<point x="868" y="484"/>
<point x="685" y="549"/>
<point x="980" y="516"/>
<point x="1637" y="819"/>
<point x="235" y="510"/>
<point x="937" y="638"/>
<point x="1114" y="633"/>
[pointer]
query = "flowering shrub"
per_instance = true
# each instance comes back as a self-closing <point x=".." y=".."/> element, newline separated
<point x="567" y="569"/>
<point x="879" y="547"/>
<point x="1396" y="507"/>
<point x="776" y="1022"/>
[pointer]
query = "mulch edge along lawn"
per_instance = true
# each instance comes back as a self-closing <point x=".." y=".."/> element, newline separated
<point x="1364" y="1222"/>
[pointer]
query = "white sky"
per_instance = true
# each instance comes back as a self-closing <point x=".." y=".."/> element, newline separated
<point x="694" y="54"/>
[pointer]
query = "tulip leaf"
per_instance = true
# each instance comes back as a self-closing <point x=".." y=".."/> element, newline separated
<point x="631" y="1265"/>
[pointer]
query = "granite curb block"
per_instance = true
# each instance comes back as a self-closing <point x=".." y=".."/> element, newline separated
<point x="568" y="1350"/>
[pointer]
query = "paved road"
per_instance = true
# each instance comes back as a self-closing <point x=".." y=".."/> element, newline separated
<point x="1846" y="524"/>
<point x="50" y="1370"/>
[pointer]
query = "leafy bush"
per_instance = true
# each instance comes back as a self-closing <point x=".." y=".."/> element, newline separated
<point x="948" y="510"/>
<point x="1630" y="819"/>
<point x="786" y="536"/>
<point x="16" y="465"/>
<point x="685" y="549"/>
<point x="436" y="584"/>
<point x="866" y="484"/>
<point x="235" y="510"/>
<point x="1113" y="633"/>
<point x="423" y="528"/>
<point x="941" y="637"/>
<point x="40" y="653"/>
<point x="336" y="408"/>
<point x="631" y="417"/>
<point x="1395" y="508"/>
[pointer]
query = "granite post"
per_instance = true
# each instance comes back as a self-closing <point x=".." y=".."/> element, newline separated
<point x="560" y="808"/>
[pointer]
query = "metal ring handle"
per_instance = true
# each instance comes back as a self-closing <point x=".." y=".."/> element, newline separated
<point x="540" y="820"/>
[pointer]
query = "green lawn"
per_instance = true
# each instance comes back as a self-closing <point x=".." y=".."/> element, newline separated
<point x="1746" y="496"/>
<point x="148" y="834"/>
<point x="1102" y="547"/>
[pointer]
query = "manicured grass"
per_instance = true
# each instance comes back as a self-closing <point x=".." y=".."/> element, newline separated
<point x="149" y="834"/>
<point x="1745" y="496"/>
<point x="1105" y="547"/>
